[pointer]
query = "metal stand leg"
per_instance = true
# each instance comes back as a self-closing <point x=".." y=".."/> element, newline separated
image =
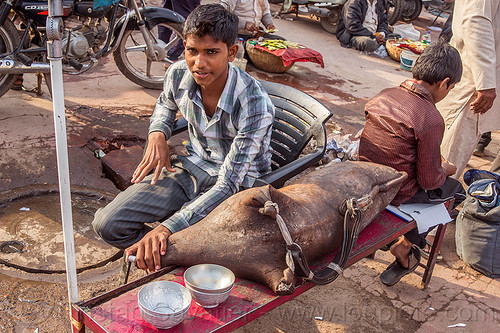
<point x="39" y="78"/>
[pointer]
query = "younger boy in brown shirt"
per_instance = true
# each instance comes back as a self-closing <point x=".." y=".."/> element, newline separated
<point x="404" y="130"/>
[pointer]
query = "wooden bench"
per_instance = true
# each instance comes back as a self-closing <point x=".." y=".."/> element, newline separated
<point x="117" y="310"/>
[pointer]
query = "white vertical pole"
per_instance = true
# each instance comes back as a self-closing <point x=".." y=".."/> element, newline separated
<point x="54" y="35"/>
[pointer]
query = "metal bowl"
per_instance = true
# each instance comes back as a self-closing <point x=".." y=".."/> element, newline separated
<point x="209" y="278"/>
<point x="164" y="304"/>
<point x="207" y="300"/>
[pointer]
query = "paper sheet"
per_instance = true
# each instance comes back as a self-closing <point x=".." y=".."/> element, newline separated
<point x="427" y="215"/>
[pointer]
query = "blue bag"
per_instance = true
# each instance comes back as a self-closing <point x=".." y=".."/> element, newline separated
<point x="477" y="234"/>
<point x="99" y="4"/>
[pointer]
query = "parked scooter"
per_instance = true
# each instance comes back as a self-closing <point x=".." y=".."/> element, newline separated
<point x="327" y="11"/>
<point x="126" y="29"/>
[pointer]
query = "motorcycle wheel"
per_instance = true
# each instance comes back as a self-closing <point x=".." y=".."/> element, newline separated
<point x="131" y="58"/>
<point x="395" y="10"/>
<point x="9" y="40"/>
<point x="412" y="9"/>
<point x="330" y="22"/>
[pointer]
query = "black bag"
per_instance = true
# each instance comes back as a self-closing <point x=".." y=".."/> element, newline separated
<point x="478" y="237"/>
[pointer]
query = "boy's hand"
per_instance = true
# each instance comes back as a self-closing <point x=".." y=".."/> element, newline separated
<point x="449" y="168"/>
<point x="379" y="38"/>
<point x="484" y="101"/>
<point x="148" y="250"/>
<point x="156" y="157"/>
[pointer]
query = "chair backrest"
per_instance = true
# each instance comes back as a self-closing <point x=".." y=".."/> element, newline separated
<point x="299" y="117"/>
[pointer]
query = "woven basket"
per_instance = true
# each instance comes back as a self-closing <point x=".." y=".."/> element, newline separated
<point x="394" y="51"/>
<point x="266" y="61"/>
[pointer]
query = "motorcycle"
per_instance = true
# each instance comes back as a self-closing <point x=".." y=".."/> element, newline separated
<point x="409" y="10"/>
<point x="327" y="11"/>
<point x="89" y="34"/>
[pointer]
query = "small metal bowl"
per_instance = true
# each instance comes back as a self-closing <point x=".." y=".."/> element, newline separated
<point x="207" y="300"/>
<point x="209" y="278"/>
<point x="164" y="304"/>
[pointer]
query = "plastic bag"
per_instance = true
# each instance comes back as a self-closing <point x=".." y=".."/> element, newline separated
<point x="407" y="31"/>
<point x="381" y="52"/>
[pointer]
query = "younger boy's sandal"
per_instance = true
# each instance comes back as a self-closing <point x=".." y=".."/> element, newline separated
<point x="395" y="271"/>
<point x="426" y="253"/>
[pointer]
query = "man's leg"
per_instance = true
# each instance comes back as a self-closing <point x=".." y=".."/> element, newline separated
<point x="122" y="222"/>
<point x="459" y="140"/>
<point x="364" y="43"/>
<point x="164" y="33"/>
<point x="183" y="7"/>
<point x="484" y="141"/>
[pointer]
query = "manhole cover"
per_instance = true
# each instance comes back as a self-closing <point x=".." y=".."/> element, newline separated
<point x="31" y="236"/>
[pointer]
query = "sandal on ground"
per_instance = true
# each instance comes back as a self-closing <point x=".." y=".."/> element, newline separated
<point x="426" y="253"/>
<point x="395" y="271"/>
<point x="18" y="84"/>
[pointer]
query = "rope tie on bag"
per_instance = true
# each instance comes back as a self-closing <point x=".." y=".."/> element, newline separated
<point x="294" y="255"/>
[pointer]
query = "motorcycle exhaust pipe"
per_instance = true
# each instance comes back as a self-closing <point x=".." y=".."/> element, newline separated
<point x="321" y="12"/>
<point x="8" y="66"/>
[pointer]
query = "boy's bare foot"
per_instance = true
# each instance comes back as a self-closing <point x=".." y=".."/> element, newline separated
<point x="401" y="250"/>
<point x="407" y="259"/>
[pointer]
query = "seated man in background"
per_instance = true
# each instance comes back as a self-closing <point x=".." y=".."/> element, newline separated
<point x="404" y="131"/>
<point x="363" y="24"/>
<point x="253" y="15"/>
<point x="230" y="120"/>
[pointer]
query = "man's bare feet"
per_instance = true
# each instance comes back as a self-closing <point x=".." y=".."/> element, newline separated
<point x="401" y="250"/>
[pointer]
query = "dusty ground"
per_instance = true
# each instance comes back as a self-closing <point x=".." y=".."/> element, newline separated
<point x="103" y="104"/>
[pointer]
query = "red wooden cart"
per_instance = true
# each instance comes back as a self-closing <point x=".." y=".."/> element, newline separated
<point x="118" y="311"/>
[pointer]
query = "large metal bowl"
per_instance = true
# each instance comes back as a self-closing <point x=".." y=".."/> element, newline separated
<point x="164" y="304"/>
<point x="206" y="300"/>
<point x="209" y="278"/>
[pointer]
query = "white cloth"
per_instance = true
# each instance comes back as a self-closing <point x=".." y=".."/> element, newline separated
<point x="371" y="18"/>
<point x="476" y="35"/>
<point x="253" y="11"/>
